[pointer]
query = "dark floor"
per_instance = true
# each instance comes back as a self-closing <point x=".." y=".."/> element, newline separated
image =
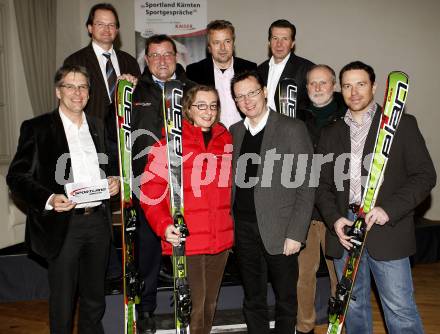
<point x="226" y="321"/>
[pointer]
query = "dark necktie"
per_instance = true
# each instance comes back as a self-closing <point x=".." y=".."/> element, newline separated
<point x="111" y="75"/>
<point x="161" y="84"/>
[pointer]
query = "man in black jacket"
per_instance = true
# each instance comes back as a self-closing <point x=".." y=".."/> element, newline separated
<point x="326" y="107"/>
<point x="105" y="65"/>
<point x="407" y="181"/>
<point x="55" y="149"/>
<point x="147" y="124"/>
<point x="283" y="63"/>
<point x="103" y="27"/>
<point x="220" y="68"/>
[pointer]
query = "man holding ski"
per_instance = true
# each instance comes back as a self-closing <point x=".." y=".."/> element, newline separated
<point x="408" y="179"/>
<point x="147" y="124"/>
<point x="56" y="151"/>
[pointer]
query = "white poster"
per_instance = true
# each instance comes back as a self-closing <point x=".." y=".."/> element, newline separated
<point x="185" y="21"/>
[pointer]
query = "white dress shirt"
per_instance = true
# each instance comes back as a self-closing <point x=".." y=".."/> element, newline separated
<point x="229" y="114"/>
<point x="260" y="126"/>
<point x="275" y="71"/>
<point x="83" y="155"/>
<point x="102" y="60"/>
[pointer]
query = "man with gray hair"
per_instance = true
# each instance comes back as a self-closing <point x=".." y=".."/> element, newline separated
<point x="325" y="107"/>
<point x="73" y="238"/>
<point x="220" y="68"/>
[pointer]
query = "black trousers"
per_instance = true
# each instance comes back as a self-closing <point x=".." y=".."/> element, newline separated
<point x="257" y="267"/>
<point x="149" y="261"/>
<point x="80" y="268"/>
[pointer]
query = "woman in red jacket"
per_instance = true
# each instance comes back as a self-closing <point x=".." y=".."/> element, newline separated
<point x="207" y="147"/>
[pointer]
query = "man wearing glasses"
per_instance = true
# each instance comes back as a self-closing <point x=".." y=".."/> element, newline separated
<point x="55" y="149"/>
<point x="104" y="63"/>
<point x="147" y="124"/>
<point x="271" y="210"/>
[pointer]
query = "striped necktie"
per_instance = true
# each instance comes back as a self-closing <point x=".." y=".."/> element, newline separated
<point x="111" y="75"/>
<point x="161" y="84"/>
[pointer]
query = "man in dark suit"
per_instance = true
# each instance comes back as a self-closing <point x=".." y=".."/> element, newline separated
<point x="54" y="149"/>
<point x="103" y="27"/>
<point x="408" y="179"/>
<point x="105" y="65"/>
<point x="283" y="63"/>
<point x="220" y="68"/>
<point x="272" y="203"/>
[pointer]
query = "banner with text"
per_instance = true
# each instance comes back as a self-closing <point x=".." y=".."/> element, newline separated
<point x="185" y="21"/>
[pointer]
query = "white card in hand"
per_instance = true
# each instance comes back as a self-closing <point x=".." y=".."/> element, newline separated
<point x="82" y="192"/>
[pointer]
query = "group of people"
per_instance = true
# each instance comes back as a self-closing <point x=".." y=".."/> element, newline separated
<point x="247" y="186"/>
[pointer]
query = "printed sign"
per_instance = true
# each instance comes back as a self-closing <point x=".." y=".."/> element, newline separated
<point x="87" y="192"/>
<point x="184" y="21"/>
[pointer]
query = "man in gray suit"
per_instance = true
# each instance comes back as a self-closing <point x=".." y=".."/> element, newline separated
<point x="272" y="203"/>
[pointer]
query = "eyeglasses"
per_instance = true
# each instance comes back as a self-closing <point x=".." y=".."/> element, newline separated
<point x="204" y="106"/>
<point x="72" y="88"/>
<point x="157" y="56"/>
<point x="240" y="98"/>
<point x="101" y="26"/>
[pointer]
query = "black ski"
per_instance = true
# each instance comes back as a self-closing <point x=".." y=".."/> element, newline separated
<point x="287" y="94"/>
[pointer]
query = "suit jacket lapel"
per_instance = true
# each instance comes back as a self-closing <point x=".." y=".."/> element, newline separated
<point x="60" y="144"/>
<point x="98" y="140"/>
<point x="94" y="63"/>
<point x="289" y="68"/>
<point x="265" y="71"/>
<point x="238" y="66"/>
<point x="344" y="137"/>
<point x="372" y="133"/>
<point x="60" y="139"/>
<point x="209" y="71"/>
<point x="121" y="63"/>
<point x="268" y="139"/>
<point x="345" y="143"/>
<point x="238" y="136"/>
<point x="94" y="134"/>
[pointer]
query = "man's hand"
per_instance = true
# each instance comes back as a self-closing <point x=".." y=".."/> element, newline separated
<point x="339" y="229"/>
<point x="61" y="203"/>
<point x="376" y="216"/>
<point x="113" y="185"/>
<point x="291" y="247"/>
<point x="129" y="77"/>
<point x="172" y="235"/>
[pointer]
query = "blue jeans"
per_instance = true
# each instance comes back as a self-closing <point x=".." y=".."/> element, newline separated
<point x="394" y="283"/>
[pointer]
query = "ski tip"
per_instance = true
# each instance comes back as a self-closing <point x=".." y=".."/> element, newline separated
<point x="398" y="75"/>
